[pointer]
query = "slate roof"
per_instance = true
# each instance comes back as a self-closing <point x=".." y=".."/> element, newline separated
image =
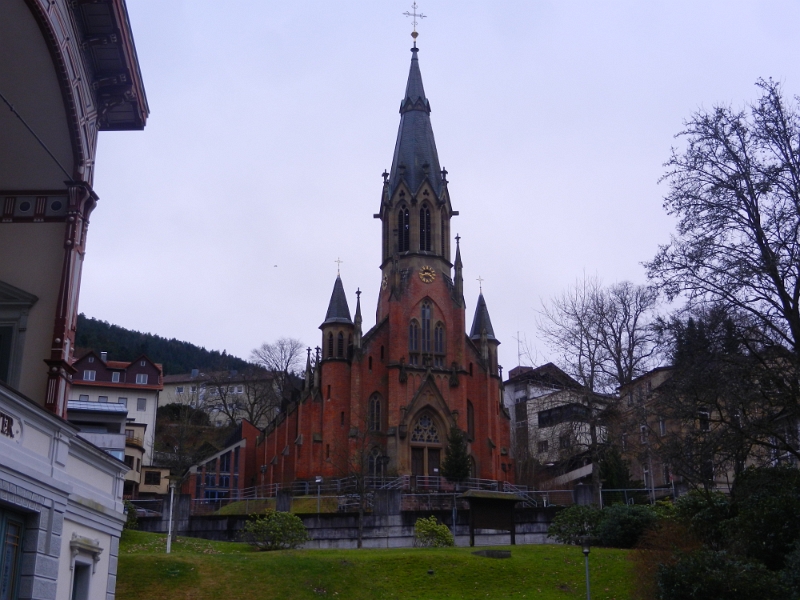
<point x="415" y="147"/>
<point x="338" y="311"/>
<point x="481" y="321"/>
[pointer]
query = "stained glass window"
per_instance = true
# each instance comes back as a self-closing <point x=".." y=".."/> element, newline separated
<point x="425" y="431"/>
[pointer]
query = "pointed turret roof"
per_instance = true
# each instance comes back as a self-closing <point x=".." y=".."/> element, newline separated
<point x="481" y="321"/>
<point x="338" y="311"/>
<point x="415" y="156"/>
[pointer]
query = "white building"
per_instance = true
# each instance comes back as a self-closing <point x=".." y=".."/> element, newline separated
<point x="68" y="70"/>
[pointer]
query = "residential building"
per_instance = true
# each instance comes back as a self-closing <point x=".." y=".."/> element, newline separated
<point x="551" y="425"/>
<point x="68" y="70"/>
<point x="394" y="391"/>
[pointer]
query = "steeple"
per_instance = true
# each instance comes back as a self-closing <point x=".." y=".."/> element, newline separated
<point x="458" y="280"/>
<point x="357" y="332"/>
<point x="481" y="322"/>
<point x="415" y="157"/>
<point x="338" y="310"/>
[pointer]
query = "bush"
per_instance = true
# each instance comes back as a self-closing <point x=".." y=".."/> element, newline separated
<point x="621" y="525"/>
<point x="275" y="531"/>
<point x="711" y="575"/>
<point x="707" y="516"/>
<point x="132" y="519"/>
<point x="791" y="573"/>
<point x="573" y="523"/>
<point x="429" y="533"/>
<point x="767" y="522"/>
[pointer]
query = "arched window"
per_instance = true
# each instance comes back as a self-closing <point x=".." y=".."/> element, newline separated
<point x="374" y="420"/>
<point x="426" y="327"/>
<point x="438" y="345"/>
<point x="470" y="420"/>
<point x="375" y="462"/>
<point x="330" y="344"/>
<point x="413" y="336"/>
<point x="403" y="230"/>
<point x="425" y="431"/>
<point x="424" y="228"/>
<point x="340" y="345"/>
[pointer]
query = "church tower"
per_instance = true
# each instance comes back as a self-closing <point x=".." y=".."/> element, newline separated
<point x="386" y="398"/>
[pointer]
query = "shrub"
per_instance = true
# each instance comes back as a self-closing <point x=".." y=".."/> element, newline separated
<point x="767" y="522"/>
<point x="621" y="525"/>
<point x="275" y="531"/>
<point x="707" y="516"/>
<point x="573" y="523"/>
<point x="429" y="533"/>
<point x="711" y="575"/>
<point x="132" y="519"/>
<point x="791" y="573"/>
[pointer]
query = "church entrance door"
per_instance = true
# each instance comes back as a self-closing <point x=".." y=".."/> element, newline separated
<point x="418" y="461"/>
<point x="433" y="461"/>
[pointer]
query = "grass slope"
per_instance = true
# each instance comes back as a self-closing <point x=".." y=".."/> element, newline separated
<point x="198" y="569"/>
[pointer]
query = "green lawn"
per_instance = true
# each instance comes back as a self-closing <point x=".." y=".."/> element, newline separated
<point x="199" y="569"/>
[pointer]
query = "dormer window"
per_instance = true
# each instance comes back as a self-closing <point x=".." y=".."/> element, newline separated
<point x="89" y="375"/>
<point x="115" y="377"/>
<point x="141" y="378"/>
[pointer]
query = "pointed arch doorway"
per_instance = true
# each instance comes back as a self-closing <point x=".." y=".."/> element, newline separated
<point x="426" y="445"/>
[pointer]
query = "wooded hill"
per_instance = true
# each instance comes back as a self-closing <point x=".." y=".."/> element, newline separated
<point x="125" y="344"/>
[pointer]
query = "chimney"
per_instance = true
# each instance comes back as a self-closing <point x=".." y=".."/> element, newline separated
<point x="104" y="356"/>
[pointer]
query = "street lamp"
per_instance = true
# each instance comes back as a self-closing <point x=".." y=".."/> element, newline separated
<point x="318" y="480"/>
<point x="586" y="561"/>
<point x="173" y="483"/>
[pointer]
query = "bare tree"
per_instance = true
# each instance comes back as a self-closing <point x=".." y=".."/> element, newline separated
<point x="252" y="394"/>
<point x="284" y="358"/>
<point x="603" y="339"/>
<point x="735" y="189"/>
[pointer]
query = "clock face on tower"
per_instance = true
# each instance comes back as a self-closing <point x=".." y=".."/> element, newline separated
<point x="427" y="274"/>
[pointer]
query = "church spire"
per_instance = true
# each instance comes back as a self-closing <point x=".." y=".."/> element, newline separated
<point x="481" y="323"/>
<point x="357" y="332"/>
<point x="415" y="157"/>
<point x="338" y="310"/>
<point x="458" y="280"/>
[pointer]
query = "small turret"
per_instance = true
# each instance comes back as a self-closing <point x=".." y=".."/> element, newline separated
<point x="309" y="374"/>
<point x="357" y="328"/>
<point x="337" y="328"/>
<point x="482" y="332"/>
<point x="458" y="279"/>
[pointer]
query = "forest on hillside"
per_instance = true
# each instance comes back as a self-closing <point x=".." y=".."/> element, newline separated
<point x="127" y="345"/>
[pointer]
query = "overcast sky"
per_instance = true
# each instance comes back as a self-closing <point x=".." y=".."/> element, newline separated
<point x="271" y="123"/>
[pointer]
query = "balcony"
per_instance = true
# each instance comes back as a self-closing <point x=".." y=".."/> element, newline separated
<point x="132" y="440"/>
<point x="106" y="441"/>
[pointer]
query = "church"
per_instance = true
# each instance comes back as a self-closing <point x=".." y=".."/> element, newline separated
<point x="382" y="402"/>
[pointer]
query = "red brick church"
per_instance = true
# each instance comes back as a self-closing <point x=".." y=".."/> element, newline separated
<point x="386" y="398"/>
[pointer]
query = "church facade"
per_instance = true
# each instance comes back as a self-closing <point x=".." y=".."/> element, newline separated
<point x="382" y="402"/>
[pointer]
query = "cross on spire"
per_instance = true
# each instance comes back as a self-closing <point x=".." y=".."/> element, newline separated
<point x="338" y="262"/>
<point x="414" y="22"/>
<point x="480" y="281"/>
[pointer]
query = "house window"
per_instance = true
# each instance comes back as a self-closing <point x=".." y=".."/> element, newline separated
<point x="129" y="461"/>
<point x="375" y="413"/>
<point x="426" y="327"/>
<point x="115" y="377"/>
<point x="666" y="473"/>
<point x="240" y="389"/>
<point x="84" y="397"/>
<point x="89" y="375"/>
<point x="11" y="529"/>
<point x="624" y="441"/>
<point x="413" y="336"/>
<point x="643" y="434"/>
<point x="152" y="477"/>
<point x="193" y="389"/>
<point x="123" y="401"/>
<point x="470" y="420"/>
<point x="565" y="442"/>
<point x="141" y="404"/>
<point x="704" y="419"/>
<point x="662" y="427"/>
<point x="141" y="363"/>
<point x="424" y="229"/>
<point x="102" y="399"/>
<point x="141" y="378"/>
<point x="91" y="359"/>
<point x="179" y="389"/>
<point x="541" y="447"/>
<point x="403" y="230"/>
<point x="340" y="345"/>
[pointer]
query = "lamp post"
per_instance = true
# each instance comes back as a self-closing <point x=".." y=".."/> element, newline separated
<point x="173" y="483"/>
<point x="318" y="480"/>
<point x="586" y="561"/>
